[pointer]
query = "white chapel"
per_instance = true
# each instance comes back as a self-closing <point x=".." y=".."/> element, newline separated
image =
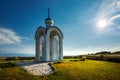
<point x="49" y="42"/>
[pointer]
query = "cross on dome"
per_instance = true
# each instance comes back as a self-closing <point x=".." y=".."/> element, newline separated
<point x="48" y="21"/>
<point x="48" y="12"/>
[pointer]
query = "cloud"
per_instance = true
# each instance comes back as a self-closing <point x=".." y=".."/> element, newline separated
<point x="110" y="11"/>
<point x="118" y="27"/>
<point x="10" y="42"/>
<point x="92" y="49"/>
<point x="8" y="36"/>
<point x="22" y="49"/>
<point x="115" y="17"/>
<point x="118" y="4"/>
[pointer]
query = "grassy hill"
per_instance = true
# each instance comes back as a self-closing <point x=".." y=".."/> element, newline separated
<point x="67" y="70"/>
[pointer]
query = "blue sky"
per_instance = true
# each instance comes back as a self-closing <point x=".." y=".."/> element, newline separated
<point x="88" y="25"/>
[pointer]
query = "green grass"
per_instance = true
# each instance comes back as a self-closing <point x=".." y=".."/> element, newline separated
<point x="67" y="70"/>
<point x="9" y="71"/>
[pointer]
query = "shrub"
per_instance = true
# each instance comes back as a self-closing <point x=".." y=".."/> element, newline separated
<point x="83" y="58"/>
<point x="17" y="58"/>
<point x="57" y="62"/>
<point x="75" y="60"/>
<point x="108" y="57"/>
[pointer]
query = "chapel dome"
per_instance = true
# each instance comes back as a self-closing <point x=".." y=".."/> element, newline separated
<point x="48" y="20"/>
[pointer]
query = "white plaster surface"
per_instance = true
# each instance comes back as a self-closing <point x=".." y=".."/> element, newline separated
<point x="54" y="49"/>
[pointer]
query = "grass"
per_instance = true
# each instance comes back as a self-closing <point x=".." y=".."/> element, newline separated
<point x="9" y="71"/>
<point x="67" y="70"/>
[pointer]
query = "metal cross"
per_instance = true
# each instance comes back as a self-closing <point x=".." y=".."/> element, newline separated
<point x="48" y="12"/>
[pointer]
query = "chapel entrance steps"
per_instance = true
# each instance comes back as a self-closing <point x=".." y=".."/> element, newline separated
<point x="37" y="68"/>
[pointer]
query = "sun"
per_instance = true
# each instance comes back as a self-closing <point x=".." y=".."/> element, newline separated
<point x="102" y="23"/>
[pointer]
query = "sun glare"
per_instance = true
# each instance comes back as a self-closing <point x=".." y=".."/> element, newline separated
<point x="102" y="23"/>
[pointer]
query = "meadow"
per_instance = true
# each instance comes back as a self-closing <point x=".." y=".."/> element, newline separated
<point x="66" y="70"/>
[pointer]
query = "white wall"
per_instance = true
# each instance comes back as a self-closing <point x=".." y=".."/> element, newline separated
<point x="54" y="49"/>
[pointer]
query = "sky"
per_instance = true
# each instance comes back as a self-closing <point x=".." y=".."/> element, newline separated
<point x="88" y="26"/>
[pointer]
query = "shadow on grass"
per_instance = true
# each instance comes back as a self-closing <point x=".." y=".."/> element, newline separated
<point x="29" y="63"/>
<point x="7" y="65"/>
